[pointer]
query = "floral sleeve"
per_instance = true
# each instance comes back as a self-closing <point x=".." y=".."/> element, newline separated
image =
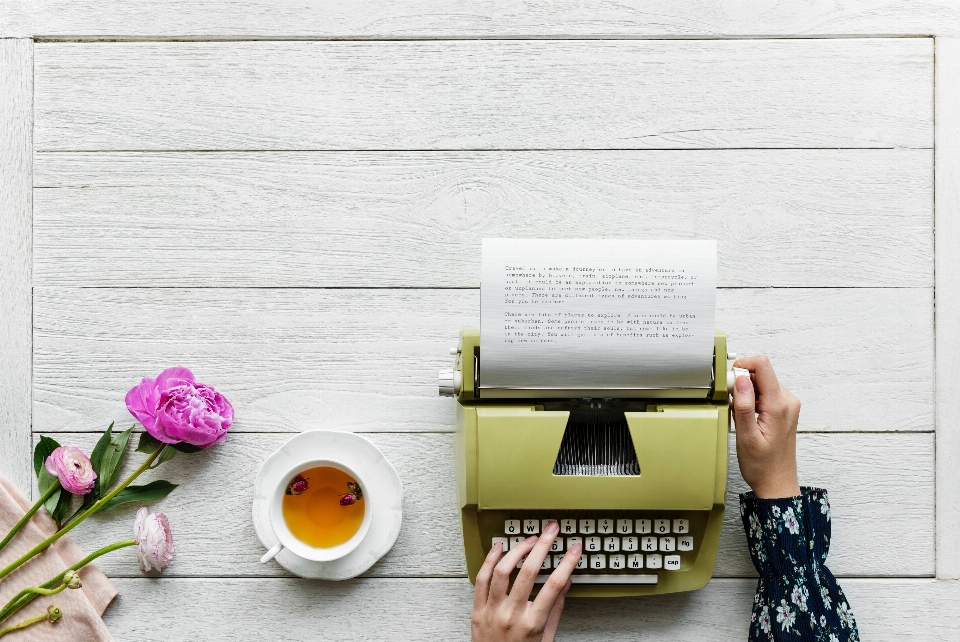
<point x="797" y="599"/>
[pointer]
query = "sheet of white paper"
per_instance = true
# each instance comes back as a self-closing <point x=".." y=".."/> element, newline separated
<point x="591" y="314"/>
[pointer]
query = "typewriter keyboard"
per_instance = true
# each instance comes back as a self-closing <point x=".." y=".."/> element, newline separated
<point x="616" y="549"/>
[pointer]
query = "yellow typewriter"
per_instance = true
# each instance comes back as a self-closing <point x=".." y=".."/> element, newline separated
<point x="636" y="476"/>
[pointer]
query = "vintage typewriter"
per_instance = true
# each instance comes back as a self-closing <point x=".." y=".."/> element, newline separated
<point x="637" y="477"/>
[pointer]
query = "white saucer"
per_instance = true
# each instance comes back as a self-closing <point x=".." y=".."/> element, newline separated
<point x="380" y="481"/>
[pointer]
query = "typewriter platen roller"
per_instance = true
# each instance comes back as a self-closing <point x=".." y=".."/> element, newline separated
<point x="637" y="477"/>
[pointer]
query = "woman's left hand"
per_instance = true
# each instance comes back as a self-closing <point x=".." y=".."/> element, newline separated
<point x="502" y="617"/>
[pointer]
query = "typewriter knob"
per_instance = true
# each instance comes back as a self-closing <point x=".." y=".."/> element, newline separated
<point x="450" y="382"/>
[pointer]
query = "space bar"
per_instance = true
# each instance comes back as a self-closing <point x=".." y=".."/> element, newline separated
<point x="606" y="579"/>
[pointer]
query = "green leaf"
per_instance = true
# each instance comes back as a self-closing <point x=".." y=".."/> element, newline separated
<point x="154" y="491"/>
<point x="168" y="453"/>
<point x="112" y="456"/>
<point x="186" y="448"/>
<point x="44" y="481"/>
<point x="63" y="505"/>
<point x="96" y="458"/>
<point x="44" y="447"/>
<point x="148" y="443"/>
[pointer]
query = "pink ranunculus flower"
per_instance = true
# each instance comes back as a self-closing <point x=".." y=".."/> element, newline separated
<point x="73" y="468"/>
<point x="154" y="540"/>
<point x="175" y="408"/>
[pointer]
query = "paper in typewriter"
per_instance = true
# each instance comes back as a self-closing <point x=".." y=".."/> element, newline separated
<point x="597" y="314"/>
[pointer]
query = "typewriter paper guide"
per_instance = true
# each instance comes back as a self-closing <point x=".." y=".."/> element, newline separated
<point x="592" y="314"/>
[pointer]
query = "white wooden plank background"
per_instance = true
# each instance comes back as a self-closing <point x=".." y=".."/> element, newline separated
<point x="487" y="94"/>
<point x="453" y="19"/>
<point x="218" y="204"/>
<point x="16" y="256"/>
<point x="837" y="217"/>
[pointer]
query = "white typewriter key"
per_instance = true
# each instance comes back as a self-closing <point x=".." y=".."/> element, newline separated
<point x="668" y="544"/>
<point x="671" y="562"/>
<point x="635" y="560"/>
<point x="611" y="544"/>
<point x="661" y="526"/>
<point x="546" y="564"/>
<point x="547" y="521"/>
<point x="644" y="526"/>
<point x="617" y="562"/>
<point x="605" y="526"/>
<point x="556" y="560"/>
<point x="512" y="527"/>
<point x="582" y="562"/>
<point x="624" y="526"/>
<point x="592" y="544"/>
<point x="685" y="543"/>
<point x="557" y="545"/>
<point x="654" y="561"/>
<point x="522" y="560"/>
<point x="598" y="562"/>
<point x="501" y="540"/>
<point x="516" y="540"/>
<point x="568" y="526"/>
<point x="681" y="526"/>
<point x="574" y="540"/>
<point x="531" y="526"/>
<point x="631" y="543"/>
<point x="648" y="543"/>
<point x="587" y="526"/>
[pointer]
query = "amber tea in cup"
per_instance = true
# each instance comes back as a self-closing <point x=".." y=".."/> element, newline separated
<point x="323" y="507"/>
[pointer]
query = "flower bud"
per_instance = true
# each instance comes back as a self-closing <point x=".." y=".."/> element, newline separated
<point x="348" y="500"/>
<point x="72" y="579"/>
<point x="297" y="486"/>
<point x="53" y="613"/>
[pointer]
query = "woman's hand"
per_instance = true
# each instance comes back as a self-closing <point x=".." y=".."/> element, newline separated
<point x="766" y="415"/>
<point x="499" y="617"/>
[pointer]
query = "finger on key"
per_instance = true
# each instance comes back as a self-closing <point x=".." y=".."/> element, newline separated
<point x="555" y="584"/>
<point x="531" y="568"/>
<point x="482" y="590"/>
<point x="501" y="572"/>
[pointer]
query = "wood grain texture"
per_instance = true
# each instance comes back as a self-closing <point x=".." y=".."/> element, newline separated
<point x="452" y="19"/>
<point x="782" y="218"/>
<point x="16" y="259"/>
<point x="210" y="511"/>
<point x="484" y="94"/>
<point x="948" y="306"/>
<point x="367" y="360"/>
<point x="439" y="609"/>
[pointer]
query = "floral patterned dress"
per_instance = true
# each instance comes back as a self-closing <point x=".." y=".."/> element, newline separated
<point x="797" y="596"/>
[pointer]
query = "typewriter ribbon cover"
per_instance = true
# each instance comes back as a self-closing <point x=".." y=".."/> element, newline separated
<point x="597" y="314"/>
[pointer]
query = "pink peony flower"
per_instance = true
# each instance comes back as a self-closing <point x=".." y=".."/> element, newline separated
<point x="73" y="468"/>
<point x="175" y="408"/>
<point x="154" y="540"/>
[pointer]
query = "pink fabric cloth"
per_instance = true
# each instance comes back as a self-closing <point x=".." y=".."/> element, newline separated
<point x="82" y="607"/>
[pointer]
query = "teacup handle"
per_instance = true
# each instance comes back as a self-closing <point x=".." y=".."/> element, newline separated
<point x="273" y="552"/>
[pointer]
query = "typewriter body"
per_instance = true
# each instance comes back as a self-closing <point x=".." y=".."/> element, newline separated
<point x="637" y="476"/>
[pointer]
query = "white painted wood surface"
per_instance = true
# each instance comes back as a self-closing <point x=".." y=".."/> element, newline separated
<point x="488" y="94"/>
<point x="492" y="19"/>
<point x="16" y="257"/>
<point x="837" y="217"/>
<point x="948" y="306"/>
<point x="366" y="360"/>
<point x="216" y="538"/>
<point x="299" y="222"/>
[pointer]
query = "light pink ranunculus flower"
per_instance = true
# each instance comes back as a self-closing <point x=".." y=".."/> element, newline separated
<point x="73" y="468"/>
<point x="154" y="540"/>
<point x="175" y="408"/>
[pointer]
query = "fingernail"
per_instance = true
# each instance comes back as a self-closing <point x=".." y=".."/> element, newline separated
<point x="552" y="529"/>
<point x="576" y="549"/>
<point x="743" y="384"/>
<point x="531" y="539"/>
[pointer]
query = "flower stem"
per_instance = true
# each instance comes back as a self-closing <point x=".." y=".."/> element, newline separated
<point x="87" y="513"/>
<point x="24" y="624"/>
<point x="26" y="518"/>
<point x="26" y="596"/>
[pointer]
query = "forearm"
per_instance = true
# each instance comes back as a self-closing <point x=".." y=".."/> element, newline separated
<point x="797" y="596"/>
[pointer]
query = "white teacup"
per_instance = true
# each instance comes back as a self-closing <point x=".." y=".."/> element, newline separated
<point x="289" y="541"/>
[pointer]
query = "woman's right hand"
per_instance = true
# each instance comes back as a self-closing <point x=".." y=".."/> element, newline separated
<point x="766" y="415"/>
